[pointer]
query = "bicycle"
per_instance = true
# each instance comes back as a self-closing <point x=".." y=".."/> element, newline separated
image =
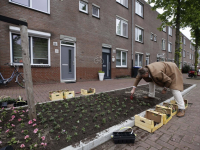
<point x="19" y="77"/>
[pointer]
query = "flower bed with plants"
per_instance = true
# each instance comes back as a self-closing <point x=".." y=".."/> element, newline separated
<point x="62" y="123"/>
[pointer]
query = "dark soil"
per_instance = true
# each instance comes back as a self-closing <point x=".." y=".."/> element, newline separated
<point x="80" y="117"/>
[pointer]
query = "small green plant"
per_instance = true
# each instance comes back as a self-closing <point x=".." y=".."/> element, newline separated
<point x="22" y="125"/>
<point x="12" y="141"/>
<point x="61" y="119"/>
<point x="83" y="129"/>
<point x="86" y="124"/>
<point x="131" y="108"/>
<point x="75" y="133"/>
<point x="46" y="126"/>
<point x="104" y="120"/>
<point x="68" y="138"/>
<point x="97" y="126"/>
<point x="74" y="127"/>
<point x="80" y="116"/>
<point x="100" y="71"/>
<point x="57" y="138"/>
<point x="51" y="131"/>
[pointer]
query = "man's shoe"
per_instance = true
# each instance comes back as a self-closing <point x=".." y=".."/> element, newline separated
<point x="181" y="113"/>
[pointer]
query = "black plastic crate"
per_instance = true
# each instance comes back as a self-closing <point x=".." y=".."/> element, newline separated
<point x="123" y="137"/>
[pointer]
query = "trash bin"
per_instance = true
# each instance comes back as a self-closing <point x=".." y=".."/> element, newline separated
<point x="135" y="71"/>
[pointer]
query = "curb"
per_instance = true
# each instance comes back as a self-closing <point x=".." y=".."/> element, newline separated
<point x="105" y="135"/>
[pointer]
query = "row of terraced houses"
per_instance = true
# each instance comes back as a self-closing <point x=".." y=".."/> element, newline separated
<point x="71" y="40"/>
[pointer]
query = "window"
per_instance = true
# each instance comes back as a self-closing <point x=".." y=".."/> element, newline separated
<point x="147" y="60"/>
<point x="151" y="36"/>
<point x="163" y="44"/>
<point x="170" y="31"/>
<point x="139" y="8"/>
<point x="183" y="53"/>
<point x="190" y="56"/>
<point x="121" y="27"/>
<point x="138" y="34"/>
<point x="39" y="47"/>
<point x="184" y="40"/>
<point x="123" y="2"/>
<point x="164" y="29"/>
<point x="40" y="5"/>
<point x="83" y="6"/>
<point x="95" y="11"/>
<point x="138" y="59"/>
<point x="169" y="47"/>
<point x="155" y="37"/>
<point x="121" y="58"/>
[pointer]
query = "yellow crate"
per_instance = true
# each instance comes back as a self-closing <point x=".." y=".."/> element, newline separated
<point x="185" y="101"/>
<point x="68" y="94"/>
<point x="56" y="95"/>
<point x="147" y="122"/>
<point x="165" y="111"/>
<point x="173" y="106"/>
<point x="85" y="92"/>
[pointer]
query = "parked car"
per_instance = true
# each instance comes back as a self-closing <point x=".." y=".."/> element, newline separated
<point x="191" y="73"/>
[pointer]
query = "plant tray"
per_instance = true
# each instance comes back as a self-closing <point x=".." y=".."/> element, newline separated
<point x="185" y="101"/>
<point x="85" y="92"/>
<point x="167" y="113"/>
<point x="173" y="106"/>
<point x="151" y="122"/>
<point x="56" y="95"/>
<point x="123" y="137"/>
<point x="20" y="103"/>
<point x="68" y="94"/>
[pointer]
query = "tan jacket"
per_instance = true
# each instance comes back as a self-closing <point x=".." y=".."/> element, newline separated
<point x="164" y="74"/>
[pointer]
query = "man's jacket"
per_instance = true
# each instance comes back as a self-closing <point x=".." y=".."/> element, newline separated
<point x="164" y="74"/>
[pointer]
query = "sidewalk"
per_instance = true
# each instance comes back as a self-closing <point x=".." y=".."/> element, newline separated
<point x="177" y="134"/>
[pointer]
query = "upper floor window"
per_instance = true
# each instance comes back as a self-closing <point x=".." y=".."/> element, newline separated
<point x="184" y="40"/>
<point x="95" y="11"/>
<point x="183" y="53"/>
<point x="139" y="34"/>
<point x="163" y="44"/>
<point x="169" y="47"/>
<point x="123" y="2"/>
<point x="121" y="27"/>
<point x="190" y="45"/>
<point x="155" y="37"/>
<point x="170" y="31"/>
<point x="40" y="5"/>
<point x="139" y="8"/>
<point x="164" y="29"/>
<point x="151" y="36"/>
<point x="83" y="6"/>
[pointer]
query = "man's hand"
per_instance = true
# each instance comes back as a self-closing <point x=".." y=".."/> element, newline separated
<point x="133" y="91"/>
<point x="164" y="91"/>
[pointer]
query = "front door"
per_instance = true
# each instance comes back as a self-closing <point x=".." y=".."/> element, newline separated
<point x="67" y="64"/>
<point x="106" y="66"/>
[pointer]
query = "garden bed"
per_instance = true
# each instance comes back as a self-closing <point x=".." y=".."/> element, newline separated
<point x="62" y="123"/>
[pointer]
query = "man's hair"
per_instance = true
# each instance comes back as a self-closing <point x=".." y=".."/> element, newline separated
<point x="143" y="71"/>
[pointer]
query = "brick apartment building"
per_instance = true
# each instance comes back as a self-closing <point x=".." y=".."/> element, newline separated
<point x="72" y="40"/>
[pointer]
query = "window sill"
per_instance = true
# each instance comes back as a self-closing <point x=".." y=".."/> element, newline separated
<point x="122" y="36"/>
<point x="84" y="12"/>
<point x="29" y="7"/>
<point x="32" y="66"/>
<point x="122" y="67"/>
<point x="140" y="16"/>
<point x="122" y="5"/>
<point x="95" y="17"/>
<point x="140" y="42"/>
<point x="163" y="49"/>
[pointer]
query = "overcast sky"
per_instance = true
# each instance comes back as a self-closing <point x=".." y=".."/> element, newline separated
<point x="185" y="31"/>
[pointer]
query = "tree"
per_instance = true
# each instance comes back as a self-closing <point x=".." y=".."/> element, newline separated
<point x="172" y="16"/>
<point x="192" y="19"/>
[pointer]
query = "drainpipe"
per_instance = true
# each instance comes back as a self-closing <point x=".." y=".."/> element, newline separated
<point x="132" y="39"/>
<point x="167" y="40"/>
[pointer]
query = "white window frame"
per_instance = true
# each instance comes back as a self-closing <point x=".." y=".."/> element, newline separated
<point x="163" y="44"/>
<point x="169" y="47"/>
<point x="30" y="7"/>
<point x="190" y="56"/>
<point x="155" y="37"/>
<point x="137" y="53"/>
<point x="84" y="2"/>
<point x="122" y="21"/>
<point x="184" y="52"/>
<point x="147" y="56"/>
<point x="184" y="40"/>
<point x="151" y="36"/>
<point x="164" y="29"/>
<point x="138" y="3"/>
<point x="31" y="33"/>
<point x="190" y="45"/>
<point x="122" y="51"/>
<point x="170" y="31"/>
<point x="137" y="27"/>
<point x="93" y="5"/>
<point x="122" y="2"/>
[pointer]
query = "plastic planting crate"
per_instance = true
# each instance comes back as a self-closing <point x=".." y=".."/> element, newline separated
<point x="68" y="94"/>
<point x="56" y="95"/>
<point x="173" y="106"/>
<point x="167" y="113"/>
<point x="151" y="122"/>
<point x="88" y="92"/>
<point x="123" y="137"/>
<point x="185" y="101"/>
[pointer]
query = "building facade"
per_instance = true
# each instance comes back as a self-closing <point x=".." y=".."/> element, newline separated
<point x="72" y="40"/>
